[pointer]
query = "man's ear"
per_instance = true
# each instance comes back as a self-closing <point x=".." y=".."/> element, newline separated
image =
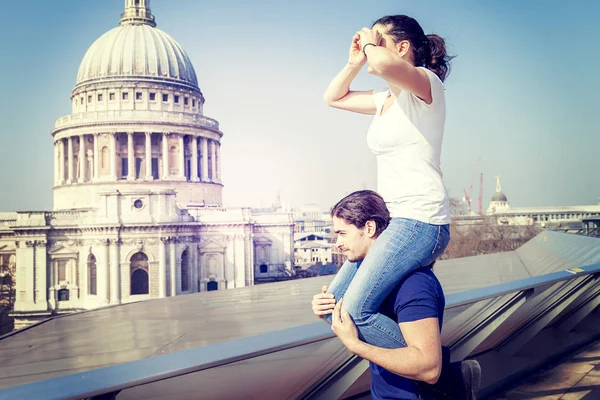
<point x="371" y="228"/>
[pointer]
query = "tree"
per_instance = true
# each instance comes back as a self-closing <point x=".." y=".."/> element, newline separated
<point x="7" y="291"/>
<point x="486" y="237"/>
<point x="457" y="206"/>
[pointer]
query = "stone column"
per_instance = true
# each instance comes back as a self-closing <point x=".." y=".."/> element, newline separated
<point x="41" y="285"/>
<point x="194" y="268"/>
<point x="179" y="273"/>
<point x="148" y="156"/>
<point x="24" y="279"/>
<point x="56" y="164"/>
<point x="130" y="157"/>
<point x="213" y="150"/>
<point x="291" y="247"/>
<point x="72" y="266"/>
<point x="239" y="267"/>
<point x="113" y="155"/>
<point x="62" y="161"/>
<point x="70" y="161"/>
<point x="115" y="290"/>
<point x="201" y="273"/>
<point x="51" y="290"/>
<point x="218" y="160"/>
<point x="82" y="160"/>
<point x="96" y="158"/>
<point x="194" y="174"/>
<point x="84" y="282"/>
<point x="28" y="255"/>
<point x="172" y="271"/>
<point x="181" y="146"/>
<point x="102" y="274"/>
<point x="249" y="253"/>
<point x="230" y="264"/>
<point x="162" y="268"/>
<point x="204" y="148"/>
<point x="165" y="155"/>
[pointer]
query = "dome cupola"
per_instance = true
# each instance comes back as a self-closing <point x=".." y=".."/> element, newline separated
<point x="137" y="12"/>
<point x="137" y="123"/>
<point x="137" y="50"/>
<point x="499" y="195"/>
<point x="499" y="201"/>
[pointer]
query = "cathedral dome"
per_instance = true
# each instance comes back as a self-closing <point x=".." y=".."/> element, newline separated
<point x="136" y="49"/>
<point x="499" y="196"/>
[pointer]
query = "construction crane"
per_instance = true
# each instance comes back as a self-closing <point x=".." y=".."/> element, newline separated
<point x="468" y="195"/>
<point x="480" y="195"/>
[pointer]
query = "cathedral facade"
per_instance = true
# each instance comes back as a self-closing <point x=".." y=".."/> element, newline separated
<point x="137" y="196"/>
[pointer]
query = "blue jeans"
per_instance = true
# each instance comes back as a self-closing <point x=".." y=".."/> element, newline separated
<point x="404" y="246"/>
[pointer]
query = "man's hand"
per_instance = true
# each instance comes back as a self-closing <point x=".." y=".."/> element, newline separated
<point x="323" y="303"/>
<point x="344" y="327"/>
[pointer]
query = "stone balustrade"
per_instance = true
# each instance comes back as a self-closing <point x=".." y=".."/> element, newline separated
<point x="136" y="116"/>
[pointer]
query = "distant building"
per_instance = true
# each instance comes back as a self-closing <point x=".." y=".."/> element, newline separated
<point x="557" y="216"/>
<point x="312" y="248"/>
<point x="137" y="210"/>
<point x="499" y="202"/>
<point x="309" y="218"/>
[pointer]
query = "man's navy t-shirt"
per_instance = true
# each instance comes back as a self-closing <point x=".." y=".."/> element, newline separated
<point x="419" y="295"/>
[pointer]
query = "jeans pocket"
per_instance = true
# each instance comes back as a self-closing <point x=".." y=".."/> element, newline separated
<point x="442" y="240"/>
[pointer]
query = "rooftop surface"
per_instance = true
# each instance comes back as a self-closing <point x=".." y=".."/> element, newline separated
<point x="118" y="334"/>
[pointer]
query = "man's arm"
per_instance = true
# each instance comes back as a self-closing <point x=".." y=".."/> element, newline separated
<point x="421" y="360"/>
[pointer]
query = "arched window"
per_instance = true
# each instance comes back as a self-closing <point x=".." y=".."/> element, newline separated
<point x="63" y="295"/>
<point x="212" y="285"/>
<point x="185" y="272"/>
<point x="92" y="282"/>
<point x="139" y="282"/>
<point x="139" y="274"/>
<point x="6" y="280"/>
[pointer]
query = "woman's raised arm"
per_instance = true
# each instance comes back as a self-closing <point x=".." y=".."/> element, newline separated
<point x="338" y="93"/>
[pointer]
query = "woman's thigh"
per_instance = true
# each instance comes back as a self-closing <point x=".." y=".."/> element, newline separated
<point x="403" y="247"/>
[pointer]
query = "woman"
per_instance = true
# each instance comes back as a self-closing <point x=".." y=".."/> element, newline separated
<point x="406" y="137"/>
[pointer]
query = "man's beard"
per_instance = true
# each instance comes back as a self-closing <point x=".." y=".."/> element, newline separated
<point x="353" y="258"/>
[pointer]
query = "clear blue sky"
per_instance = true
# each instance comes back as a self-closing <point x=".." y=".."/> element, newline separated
<point x="523" y="93"/>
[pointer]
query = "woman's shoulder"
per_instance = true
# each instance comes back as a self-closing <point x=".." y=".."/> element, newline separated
<point x="433" y="78"/>
<point x="437" y="90"/>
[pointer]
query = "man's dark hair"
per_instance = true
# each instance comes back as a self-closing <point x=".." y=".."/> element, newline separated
<point x="361" y="206"/>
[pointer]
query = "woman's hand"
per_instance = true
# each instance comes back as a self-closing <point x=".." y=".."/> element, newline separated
<point x="367" y="35"/>
<point x="356" y="58"/>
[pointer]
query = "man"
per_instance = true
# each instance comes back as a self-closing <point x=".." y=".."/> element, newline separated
<point x="417" y="305"/>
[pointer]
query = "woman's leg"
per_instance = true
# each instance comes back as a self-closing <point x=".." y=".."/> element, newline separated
<point x="404" y="246"/>
<point x="342" y="280"/>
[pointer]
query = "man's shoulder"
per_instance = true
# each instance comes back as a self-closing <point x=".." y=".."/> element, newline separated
<point x="417" y="280"/>
<point x="419" y="295"/>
